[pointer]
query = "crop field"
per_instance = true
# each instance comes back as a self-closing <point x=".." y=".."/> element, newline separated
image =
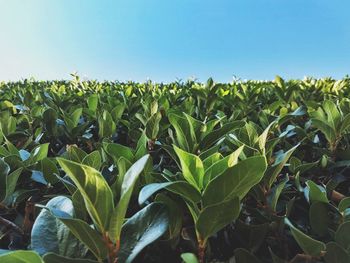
<point x="241" y="172"/>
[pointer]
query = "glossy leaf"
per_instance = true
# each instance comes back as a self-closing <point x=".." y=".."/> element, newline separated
<point x="55" y="258"/>
<point x="189" y="258"/>
<point x="140" y="230"/>
<point x="244" y="256"/>
<point x="84" y="232"/>
<point x="20" y="256"/>
<point x="309" y="245"/>
<point x="342" y="235"/>
<point x="214" y="217"/>
<point x="49" y="234"/>
<point x="274" y="171"/>
<point x="97" y="194"/>
<point x="192" y="168"/>
<point x="235" y="181"/>
<point x="130" y="178"/>
<point x="336" y="254"/>
<point x="316" y="193"/>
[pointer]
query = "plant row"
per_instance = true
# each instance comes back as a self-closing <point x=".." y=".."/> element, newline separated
<point x="248" y="171"/>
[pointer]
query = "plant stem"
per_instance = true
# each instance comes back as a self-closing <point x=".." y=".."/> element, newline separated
<point x="112" y="249"/>
<point x="201" y="250"/>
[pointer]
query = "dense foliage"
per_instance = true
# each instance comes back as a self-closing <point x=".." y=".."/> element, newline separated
<point x="183" y="172"/>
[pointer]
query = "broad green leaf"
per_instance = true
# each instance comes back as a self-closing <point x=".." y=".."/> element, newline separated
<point x="344" y="204"/>
<point x="333" y="114"/>
<point x="336" y="254"/>
<point x="148" y="190"/>
<point x="142" y="229"/>
<point x="21" y="256"/>
<point x="1" y="136"/>
<point x="210" y="160"/>
<point x="316" y="193"/>
<point x="130" y="178"/>
<point x="186" y="191"/>
<point x="181" y="126"/>
<point x="117" y="150"/>
<point x="38" y="153"/>
<point x="79" y="205"/>
<point x="141" y="147"/>
<point x="4" y="251"/>
<point x="152" y="126"/>
<point x="342" y="235"/>
<point x="235" y="181"/>
<point x="211" y="151"/>
<point x="244" y="256"/>
<point x="72" y="119"/>
<point x="215" y="217"/>
<point x="93" y="102"/>
<point x="8" y="126"/>
<point x="279" y="81"/>
<point x="195" y="127"/>
<point x="345" y="125"/>
<point x="49" y="234"/>
<point x="251" y="236"/>
<point x="276" y="192"/>
<point x="189" y="258"/>
<point x="175" y="212"/>
<point x="11" y="148"/>
<point x="93" y="160"/>
<point x="194" y="210"/>
<point x="263" y="137"/>
<point x="85" y="233"/>
<point x="275" y="258"/>
<point x="11" y="181"/>
<point x="192" y="168"/>
<point x="319" y="218"/>
<point x="217" y="134"/>
<point x="220" y="166"/>
<point x="123" y="166"/>
<point x="117" y="112"/>
<point x="274" y="171"/>
<point x="309" y="245"/>
<point x="76" y="154"/>
<point x="49" y="170"/>
<point x="106" y="125"/>
<point x="55" y="258"/>
<point x="248" y="134"/>
<point x="7" y="181"/>
<point x="97" y="194"/>
<point x="326" y="129"/>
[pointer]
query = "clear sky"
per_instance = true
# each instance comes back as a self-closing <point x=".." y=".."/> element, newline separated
<point x="165" y="40"/>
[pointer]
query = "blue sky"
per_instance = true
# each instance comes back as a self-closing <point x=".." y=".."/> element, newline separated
<point x="167" y="40"/>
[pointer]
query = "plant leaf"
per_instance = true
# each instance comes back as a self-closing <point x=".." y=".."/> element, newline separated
<point x="97" y="194"/>
<point x="274" y="171"/>
<point x="55" y="258"/>
<point x="336" y="254"/>
<point x="84" y="232"/>
<point x="214" y="217"/>
<point x="309" y="245"/>
<point x="235" y="181"/>
<point x="189" y="258"/>
<point x="130" y="178"/>
<point x="244" y="256"/>
<point x="342" y="235"/>
<point x="21" y="256"/>
<point x="140" y="230"/>
<point x="192" y="168"/>
<point x="49" y="234"/>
